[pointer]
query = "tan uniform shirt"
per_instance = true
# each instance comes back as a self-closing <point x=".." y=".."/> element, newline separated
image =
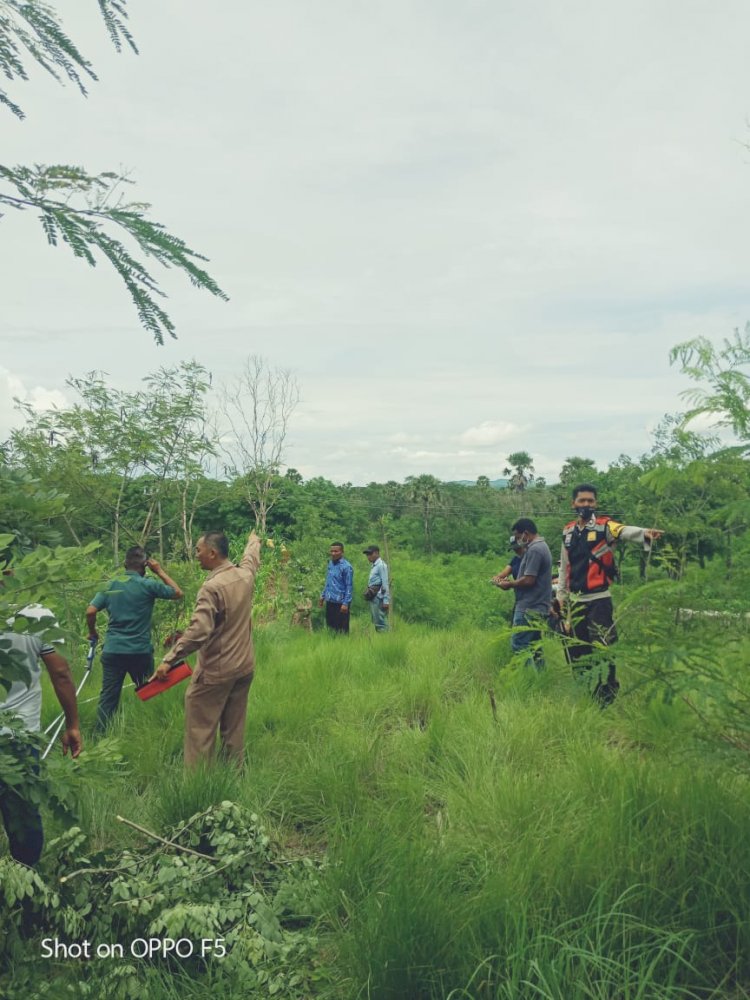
<point x="221" y="626"/>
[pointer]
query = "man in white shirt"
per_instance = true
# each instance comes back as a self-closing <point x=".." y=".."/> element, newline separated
<point x="22" y="820"/>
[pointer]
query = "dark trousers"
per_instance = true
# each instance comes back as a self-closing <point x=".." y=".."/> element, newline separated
<point x="593" y="623"/>
<point x="22" y="820"/>
<point x="337" y="619"/>
<point x="115" y="668"/>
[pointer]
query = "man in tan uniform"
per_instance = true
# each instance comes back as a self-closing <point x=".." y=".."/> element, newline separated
<point x="221" y="628"/>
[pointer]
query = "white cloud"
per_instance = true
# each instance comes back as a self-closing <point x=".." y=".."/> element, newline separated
<point x="489" y="432"/>
<point x="402" y="438"/>
<point x="40" y="397"/>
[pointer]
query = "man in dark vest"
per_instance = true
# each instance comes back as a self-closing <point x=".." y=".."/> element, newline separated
<point x="587" y="567"/>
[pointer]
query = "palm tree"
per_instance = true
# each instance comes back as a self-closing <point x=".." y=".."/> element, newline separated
<point x="520" y="468"/>
<point x="425" y="491"/>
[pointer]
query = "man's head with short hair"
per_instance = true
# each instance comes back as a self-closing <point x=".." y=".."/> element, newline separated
<point x="212" y="549"/>
<point x="336" y="551"/>
<point x="136" y="559"/>
<point x="524" y="524"/>
<point x="583" y="488"/>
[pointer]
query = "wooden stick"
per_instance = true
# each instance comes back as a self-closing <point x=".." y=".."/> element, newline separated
<point x="168" y="843"/>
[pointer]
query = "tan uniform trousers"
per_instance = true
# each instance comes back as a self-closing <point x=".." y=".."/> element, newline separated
<point x="209" y="707"/>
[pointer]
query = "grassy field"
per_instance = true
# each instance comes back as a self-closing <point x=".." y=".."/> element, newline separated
<point x="545" y="849"/>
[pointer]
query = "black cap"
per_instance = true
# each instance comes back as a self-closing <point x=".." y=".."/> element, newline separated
<point x="370" y="549"/>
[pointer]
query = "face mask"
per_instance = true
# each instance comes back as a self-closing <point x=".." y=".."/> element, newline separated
<point x="586" y="513"/>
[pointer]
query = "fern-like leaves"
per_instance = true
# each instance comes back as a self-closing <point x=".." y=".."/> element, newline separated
<point x="80" y="210"/>
<point x="29" y="29"/>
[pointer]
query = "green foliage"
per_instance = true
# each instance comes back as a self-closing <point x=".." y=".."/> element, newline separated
<point x="26" y="510"/>
<point x="550" y="847"/>
<point x="425" y="492"/>
<point x="520" y="468"/>
<point x="52" y="788"/>
<point x="33" y="30"/>
<point x="217" y="878"/>
<point x="577" y="470"/>
<point x="125" y="458"/>
<point x="724" y="381"/>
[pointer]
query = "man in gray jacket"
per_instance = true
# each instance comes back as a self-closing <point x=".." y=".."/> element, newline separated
<point x="533" y="587"/>
<point x="378" y="592"/>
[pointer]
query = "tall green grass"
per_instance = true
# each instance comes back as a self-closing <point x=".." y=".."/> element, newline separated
<point x="542" y="850"/>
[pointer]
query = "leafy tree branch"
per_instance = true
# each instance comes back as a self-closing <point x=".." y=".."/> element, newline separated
<point x="87" y="212"/>
<point x="33" y="31"/>
<point x="76" y="208"/>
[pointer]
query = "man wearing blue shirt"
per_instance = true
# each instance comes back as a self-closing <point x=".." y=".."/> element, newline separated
<point x="511" y="570"/>
<point x="128" y="649"/>
<point x="337" y="593"/>
<point x="377" y="593"/>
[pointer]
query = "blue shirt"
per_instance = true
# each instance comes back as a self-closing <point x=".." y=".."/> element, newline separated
<point x="129" y="603"/>
<point x="339" y="582"/>
<point x="379" y="578"/>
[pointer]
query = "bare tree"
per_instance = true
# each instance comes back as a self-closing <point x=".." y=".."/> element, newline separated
<point x="258" y="405"/>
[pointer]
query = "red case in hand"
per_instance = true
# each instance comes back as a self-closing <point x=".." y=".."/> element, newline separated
<point x="178" y="673"/>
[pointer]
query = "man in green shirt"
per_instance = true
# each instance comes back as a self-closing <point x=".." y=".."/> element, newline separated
<point x="128" y="649"/>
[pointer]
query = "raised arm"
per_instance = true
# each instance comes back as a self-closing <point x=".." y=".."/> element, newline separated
<point x="251" y="556"/>
<point x="157" y="570"/>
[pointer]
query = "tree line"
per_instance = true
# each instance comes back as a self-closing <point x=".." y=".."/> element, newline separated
<point x="160" y="464"/>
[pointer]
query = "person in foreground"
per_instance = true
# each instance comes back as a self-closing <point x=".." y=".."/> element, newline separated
<point x="533" y="589"/>
<point x="587" y="567"/>
<point x="221" y="630"/>
<point x="22" y="819"/>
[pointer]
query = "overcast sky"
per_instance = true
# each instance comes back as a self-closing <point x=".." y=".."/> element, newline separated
<point x="468" y="227"/>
